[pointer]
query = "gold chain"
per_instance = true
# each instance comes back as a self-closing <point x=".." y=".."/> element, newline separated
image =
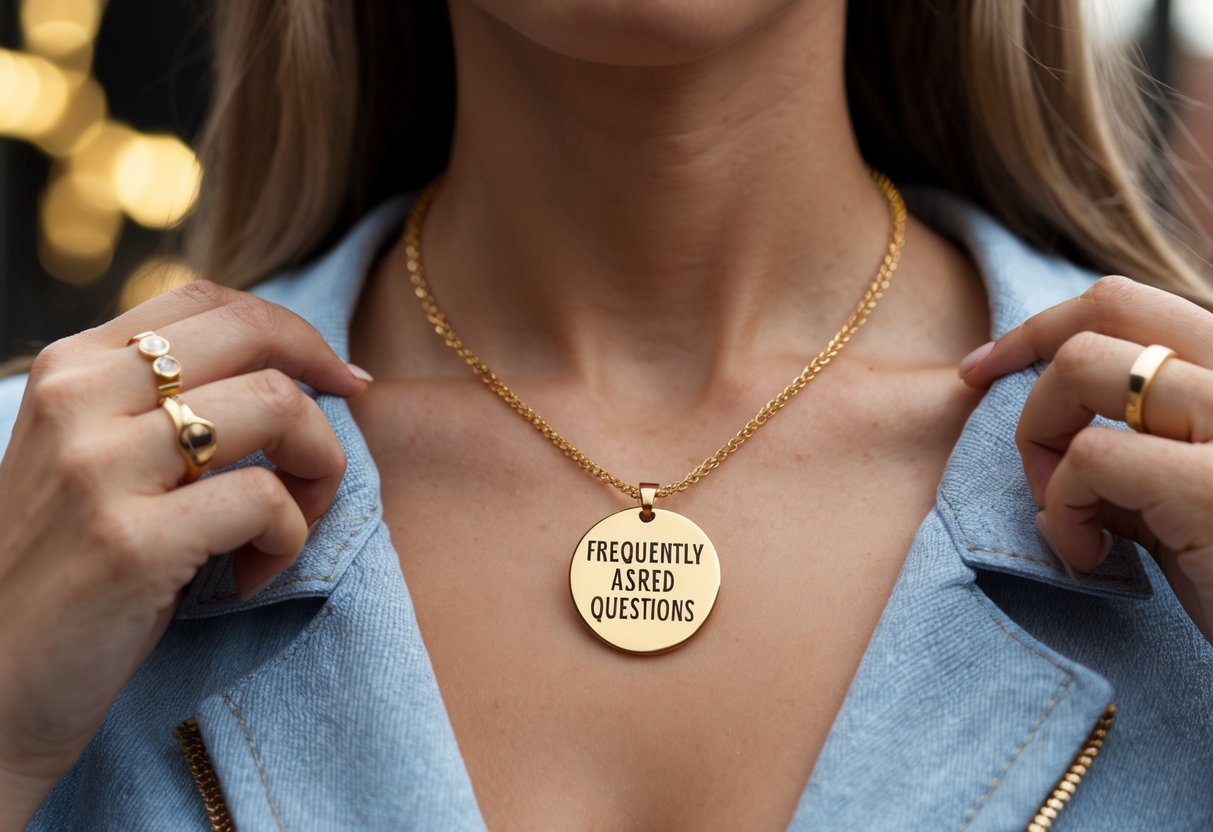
<point x="435" y="315"/>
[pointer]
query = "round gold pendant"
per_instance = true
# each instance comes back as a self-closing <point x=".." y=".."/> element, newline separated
<point x="644" y="586"/>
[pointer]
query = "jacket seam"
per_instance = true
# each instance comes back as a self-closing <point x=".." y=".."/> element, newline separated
<point x="304" y="637"/>
<point x="960" y="537"/>
<point x="1119" y="579"/>
<point x="334" y="559"/>
<point x="248" y="738"/>
<point x="1050" y="706"/>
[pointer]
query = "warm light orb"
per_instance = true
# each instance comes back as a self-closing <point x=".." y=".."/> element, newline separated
<point x="57" y="28"/>
<point x="77" y="240"/>
<point x="82" y="116"/>
<point x="156" y="180"/>
<point x="152" y="277"/>
<point x="94" y="162"/>
<point x="35" y="94"/>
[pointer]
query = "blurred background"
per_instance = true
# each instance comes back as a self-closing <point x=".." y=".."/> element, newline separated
<point x="99" y="102"/>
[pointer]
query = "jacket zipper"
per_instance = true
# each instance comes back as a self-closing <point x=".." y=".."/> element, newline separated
<point x="203" y="772"/>
<point x="1068" y="784"/>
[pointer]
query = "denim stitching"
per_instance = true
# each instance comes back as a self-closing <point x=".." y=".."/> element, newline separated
<point x="1019" y="749"/>
<point x="1068" y="678"/>
<point x="1022" y="556"/>
<point x="329" y="578"/>
<point x="248" y="738"/>
<point x="957" y="529"/>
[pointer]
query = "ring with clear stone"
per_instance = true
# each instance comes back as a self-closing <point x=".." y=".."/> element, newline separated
<point x="167" y="369"/>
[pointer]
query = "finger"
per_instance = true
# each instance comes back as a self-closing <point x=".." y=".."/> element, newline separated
<point x="254" y="570"/>
<point x="226" y="511"/>
<point x="215" y="516"/>
<point x="263" y="411"/>
<point x="1114" y="306"/>
<point x="1090" y="375"/>
<point x="1166" y="481"/>
<point x="237" y="509"/>
<point x="183" y="302"/>
<point x="243" y="336"/>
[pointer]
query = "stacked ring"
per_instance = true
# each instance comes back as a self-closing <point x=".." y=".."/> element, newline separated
<point x="1141" y="376"/>
<point x="196" y="437"/>
<point x="167" y="369"/>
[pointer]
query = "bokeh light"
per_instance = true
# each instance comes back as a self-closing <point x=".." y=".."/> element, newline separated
<point x="36" y="95"/>
<point x="82" y="116"/>
<point x="93" y="164"/>
<point x="156" y="180"/>
<point x="77" y="239"/>
<point x="102" y="168"/>
<point x="58" y="28"/>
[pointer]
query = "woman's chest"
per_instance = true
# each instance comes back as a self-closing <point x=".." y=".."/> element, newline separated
<point x="557" y="729"/>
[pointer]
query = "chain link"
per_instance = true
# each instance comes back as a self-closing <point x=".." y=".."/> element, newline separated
<point x="442" y="326"/>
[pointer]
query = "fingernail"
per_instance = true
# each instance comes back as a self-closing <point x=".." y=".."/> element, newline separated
<point x="974" y="358"/>
<point x="1042" y="527"/>
<point x="312" y="528"/>
<point x="359" y="373"/>
<point x="247" y="594"/>
<point x="1108" y="540"/>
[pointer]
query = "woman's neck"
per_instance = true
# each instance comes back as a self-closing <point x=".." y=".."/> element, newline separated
<point x="691" y="215"/>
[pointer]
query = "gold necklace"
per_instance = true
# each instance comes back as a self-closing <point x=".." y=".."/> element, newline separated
<point x="645" y="580"/>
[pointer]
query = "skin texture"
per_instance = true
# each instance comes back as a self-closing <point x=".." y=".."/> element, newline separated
<point x="655" y="214"/>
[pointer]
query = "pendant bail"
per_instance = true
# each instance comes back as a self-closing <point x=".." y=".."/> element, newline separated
<point x="648" y="493"/>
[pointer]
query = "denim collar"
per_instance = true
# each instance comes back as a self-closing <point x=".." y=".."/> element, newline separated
<point x="983" y="485"/>
<point x="324" y="293"/>
<point x="993" y="513"/>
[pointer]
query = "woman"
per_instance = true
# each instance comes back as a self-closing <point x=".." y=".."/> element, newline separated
<point x="651" y="215"/>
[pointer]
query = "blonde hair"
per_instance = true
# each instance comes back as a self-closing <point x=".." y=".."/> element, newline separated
<point x="324" y="107"/>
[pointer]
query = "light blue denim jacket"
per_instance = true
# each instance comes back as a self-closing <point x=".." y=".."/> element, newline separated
<point x="986" y="673"/>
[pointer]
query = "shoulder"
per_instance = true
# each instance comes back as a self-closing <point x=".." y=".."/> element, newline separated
<point x="1020" y="279"/>
<point x="325" y="290"/>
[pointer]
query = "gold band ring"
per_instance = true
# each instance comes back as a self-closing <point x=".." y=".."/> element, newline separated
<point x="196" y="437"/>
<point x="155" y="348"/>
<point x="1141" y="376"/>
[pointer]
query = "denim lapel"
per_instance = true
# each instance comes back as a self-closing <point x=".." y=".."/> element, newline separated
<point x="346" y="728"/>
<point x="983" y="486"/>
<point x="957" y="718"/>
<point x="325" y="294"/>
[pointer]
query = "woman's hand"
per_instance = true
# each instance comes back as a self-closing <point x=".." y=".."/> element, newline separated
<point x="98" y="540"/>
<point x="1155" y="487"/>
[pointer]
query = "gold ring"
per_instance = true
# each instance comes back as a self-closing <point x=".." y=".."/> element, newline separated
<point x="1141" y="376"/>
<point x="155" y="348"/>
<point x="196" y="437"/>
